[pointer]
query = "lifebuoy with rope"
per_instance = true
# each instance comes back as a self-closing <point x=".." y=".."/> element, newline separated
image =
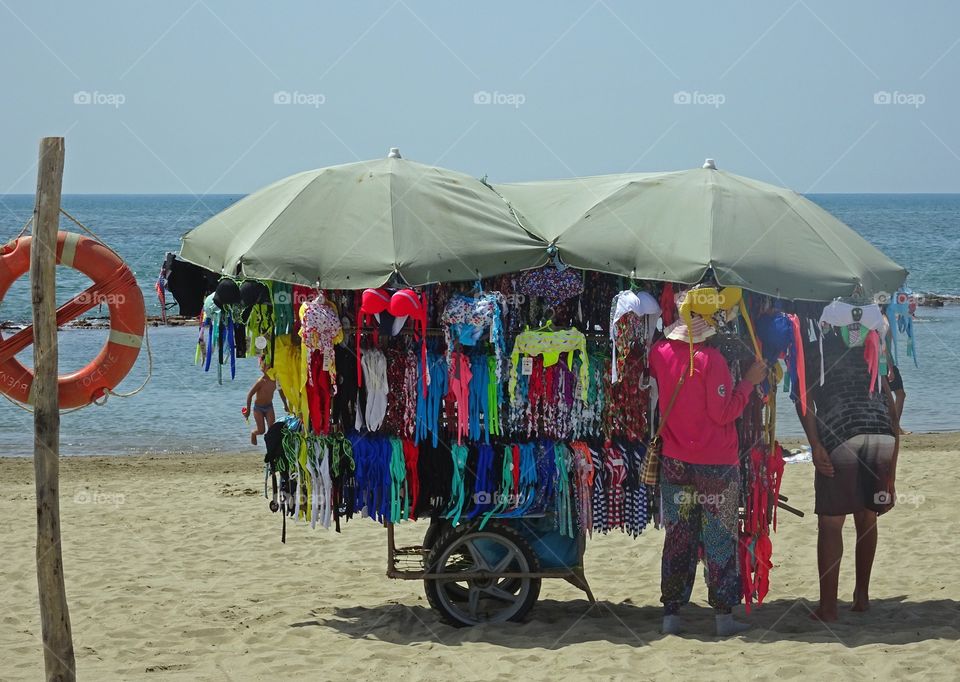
<point x="113" y="284"/>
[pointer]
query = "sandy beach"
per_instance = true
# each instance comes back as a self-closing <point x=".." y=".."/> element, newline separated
<point x="175" y="570"/>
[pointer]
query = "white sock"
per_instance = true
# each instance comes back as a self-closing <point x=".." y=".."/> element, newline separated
<point x="672" y="625"/>
<point x="727" y="626"/>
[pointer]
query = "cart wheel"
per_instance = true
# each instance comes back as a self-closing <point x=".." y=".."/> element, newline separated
<point x="497" y="549"/>
<point x="434" y="531"/>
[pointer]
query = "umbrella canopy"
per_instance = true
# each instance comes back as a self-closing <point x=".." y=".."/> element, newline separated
<point x="355" y="225"/>
<point x="677" y="225"/>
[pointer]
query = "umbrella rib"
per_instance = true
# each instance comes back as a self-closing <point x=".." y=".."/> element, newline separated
<point x="393" y="221"/>
<point x="514" y="213"/>
<point x="599" y="200"/>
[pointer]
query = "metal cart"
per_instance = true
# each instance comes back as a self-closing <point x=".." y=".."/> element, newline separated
<point x="473" y="575"/>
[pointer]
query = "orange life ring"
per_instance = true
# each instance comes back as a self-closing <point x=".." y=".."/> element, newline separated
<point x="113" y="284"/>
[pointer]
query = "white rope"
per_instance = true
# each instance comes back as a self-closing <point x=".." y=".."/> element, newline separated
<point x="91" y="233"/>
<point x="24" y="228"/>
<point x="109" y="392"/>
<point x="27" y="408"/>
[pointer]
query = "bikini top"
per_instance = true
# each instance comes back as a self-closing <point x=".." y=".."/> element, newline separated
<point x="402" y="304"/>
<point x="211" y="311"/>
<point x="374" y="302"/>
<point x="552" y="284"/>
<point x="779" y="335"/>
<point x="281" y="295"/>
<point x="405" y="304"/>
<point x="466" y="318"/>
<point x="320" y="327"/>
<point x="643" y="311"/>
<point x="898" y="313"/>
<point x="859" y="325"/>
<point x="841" y="314"/>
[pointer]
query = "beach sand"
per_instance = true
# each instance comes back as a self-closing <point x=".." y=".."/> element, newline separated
<point x="175" y="570"/>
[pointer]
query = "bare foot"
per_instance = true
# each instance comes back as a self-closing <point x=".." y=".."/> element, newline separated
<point x="905" y="433"/>
<point x="861" y="602"/>
<point x="823" y="615"/>
<point x="253" y="438"/>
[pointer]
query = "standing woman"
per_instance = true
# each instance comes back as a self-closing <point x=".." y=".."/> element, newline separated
<point x="700" y="473"/>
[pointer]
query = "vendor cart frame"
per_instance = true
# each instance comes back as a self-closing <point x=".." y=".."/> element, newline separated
<point x="475" y="573"/>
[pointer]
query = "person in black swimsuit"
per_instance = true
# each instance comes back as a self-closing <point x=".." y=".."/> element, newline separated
<point x="853" y="432"/>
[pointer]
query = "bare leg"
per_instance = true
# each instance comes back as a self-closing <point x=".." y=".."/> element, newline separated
<point x="900" y="396"/>
<point x="866" y="521"/>
<point x="829" y="554"/>
<point x="261" y="428"/>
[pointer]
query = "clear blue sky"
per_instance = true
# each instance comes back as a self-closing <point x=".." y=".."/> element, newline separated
<point x="182" y="93"/>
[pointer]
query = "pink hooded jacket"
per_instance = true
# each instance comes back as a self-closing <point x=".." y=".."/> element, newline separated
<point x="701" y="428"/>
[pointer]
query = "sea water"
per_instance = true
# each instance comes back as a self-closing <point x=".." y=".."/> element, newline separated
<point x="184" y="409"/>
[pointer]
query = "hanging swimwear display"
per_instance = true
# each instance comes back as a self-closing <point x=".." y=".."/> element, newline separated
<point x="521" y="396"/>
<point x="633" y="319"/>
<point x="463" y="406"/>
<point x="859" y="326"/>
<point x="900" y="317"/>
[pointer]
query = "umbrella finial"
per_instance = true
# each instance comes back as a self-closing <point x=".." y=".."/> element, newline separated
<point x="394" y="153"/>
<point x="710" y="163"/>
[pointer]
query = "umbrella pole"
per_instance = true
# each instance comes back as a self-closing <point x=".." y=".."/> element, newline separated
<point x="54" y="616"/>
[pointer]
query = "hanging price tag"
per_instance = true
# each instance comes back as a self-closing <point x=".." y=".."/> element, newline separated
<point x="527" y="366"/>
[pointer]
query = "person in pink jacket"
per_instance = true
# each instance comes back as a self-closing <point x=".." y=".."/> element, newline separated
<point x="700" y="473"/>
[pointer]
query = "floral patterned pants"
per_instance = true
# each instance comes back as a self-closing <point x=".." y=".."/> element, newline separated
<point x="699" y="503"/>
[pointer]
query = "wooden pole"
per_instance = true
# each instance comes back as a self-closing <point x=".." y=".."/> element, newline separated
<point x="54" y="617"/>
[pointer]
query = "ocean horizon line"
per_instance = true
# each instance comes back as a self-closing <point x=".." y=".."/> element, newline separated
<point x="243" y="194"/>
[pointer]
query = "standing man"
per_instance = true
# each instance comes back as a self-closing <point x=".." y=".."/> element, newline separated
<point x="853" y="430"/>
